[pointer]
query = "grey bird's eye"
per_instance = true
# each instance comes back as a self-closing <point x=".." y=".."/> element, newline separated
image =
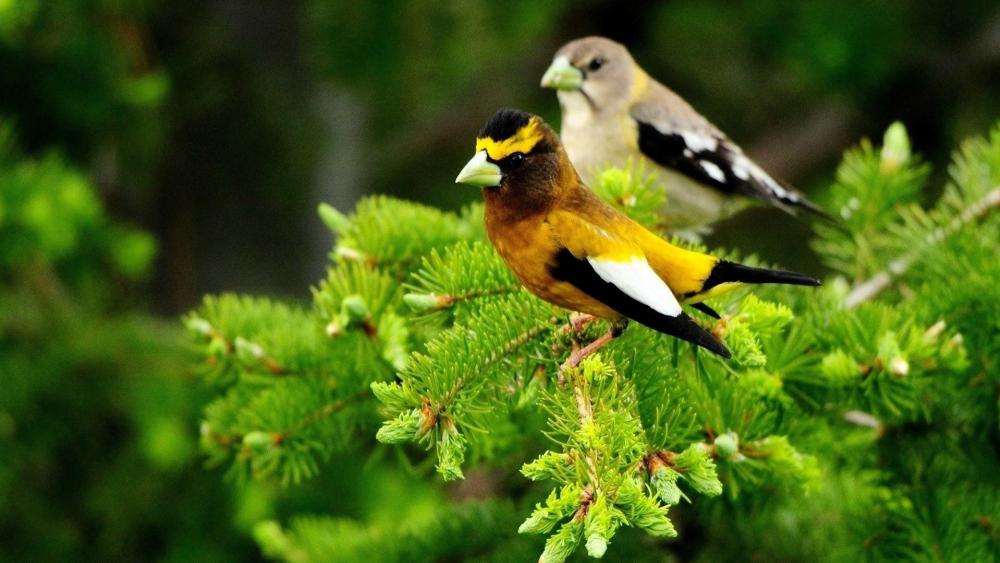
<point x="595" y="64"/>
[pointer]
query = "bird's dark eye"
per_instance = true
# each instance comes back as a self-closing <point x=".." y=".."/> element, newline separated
<point x="595" y="64"/>
<point x="511" y="162"/>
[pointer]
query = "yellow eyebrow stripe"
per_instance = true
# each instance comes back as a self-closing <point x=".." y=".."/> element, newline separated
<point x="523" y="141"/>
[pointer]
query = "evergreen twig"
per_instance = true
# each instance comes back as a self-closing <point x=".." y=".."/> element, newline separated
<point x="870" y="288"/>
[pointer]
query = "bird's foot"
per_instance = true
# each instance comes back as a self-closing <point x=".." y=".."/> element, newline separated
<point x="577" y="323"/>
<point x="579" y="355"/>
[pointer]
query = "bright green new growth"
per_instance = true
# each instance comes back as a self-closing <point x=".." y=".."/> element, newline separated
<point x="595" y="420"/>
<point x="852" y="422"/>
<point x="633" y="190"/>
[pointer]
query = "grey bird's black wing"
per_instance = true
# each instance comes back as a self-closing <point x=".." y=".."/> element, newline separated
<point x="706" y="156"/>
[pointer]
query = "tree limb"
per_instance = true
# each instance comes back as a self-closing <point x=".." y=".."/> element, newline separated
<point x="870" y="288"/>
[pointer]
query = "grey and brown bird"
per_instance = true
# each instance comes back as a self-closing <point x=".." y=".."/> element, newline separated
<point x="613" y="112"/>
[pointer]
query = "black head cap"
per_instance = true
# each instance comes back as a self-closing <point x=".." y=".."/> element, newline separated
<point x="504" y="124"/>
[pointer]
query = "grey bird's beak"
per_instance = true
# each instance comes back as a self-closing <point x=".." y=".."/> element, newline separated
<point x="562" y="76"/>
<point x="479" y="172"/>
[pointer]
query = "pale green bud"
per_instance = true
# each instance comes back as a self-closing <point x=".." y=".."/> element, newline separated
<point x="839" y="367"/>
<point x="895" y="148"/>
<point x="644" y="512"/>
<point x="727" y="445"/>
<point x="558" y="506"/>
<point x="563" y="543"/>
<point x="697" y="468"/>
<point x="600" y="525"/>
<point x="451" y="453"/>
<point x="401" y="429"/>
<point x="354" y="308"/>
<point x="258" y="441"/>
<point x="334" y="329"/>
<point x="247" y="350"/>
<point x="394" y="395"/>
<point x="427" y="301"/>
<point x="664" y="481"/>
<point x="198" y="326"/>
<point x="545" y="466"/>
<point x="334" y="220"/>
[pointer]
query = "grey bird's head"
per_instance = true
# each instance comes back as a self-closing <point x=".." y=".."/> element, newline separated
<point x="597" y="68"/>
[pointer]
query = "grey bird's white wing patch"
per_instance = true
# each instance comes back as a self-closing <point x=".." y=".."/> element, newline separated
<point x="676" y="137"/>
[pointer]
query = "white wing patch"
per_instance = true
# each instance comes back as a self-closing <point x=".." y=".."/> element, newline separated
<point x="713" y="170"/>
<point x="637" y="280"/>
<point x="741" y="171"/>
<point x="696" y="141"/>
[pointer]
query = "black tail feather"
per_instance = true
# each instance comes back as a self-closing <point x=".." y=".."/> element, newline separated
<point x="793" y="201"/>
<point x="794" y="206"/>
<point x="685" y="328"/>
<point x="707" y="310"/>
<point x="726" y="271"/>
<point x="816" y="210"/>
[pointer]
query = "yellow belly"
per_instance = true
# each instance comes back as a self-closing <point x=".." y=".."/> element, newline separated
<point x="529" y="250"/>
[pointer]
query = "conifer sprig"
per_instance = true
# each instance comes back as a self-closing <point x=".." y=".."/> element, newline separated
<point x="595" y="421"/>
<point x="452" y="283"/>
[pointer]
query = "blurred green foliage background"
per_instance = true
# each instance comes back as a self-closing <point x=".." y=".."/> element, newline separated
<point x="152" y="151"/>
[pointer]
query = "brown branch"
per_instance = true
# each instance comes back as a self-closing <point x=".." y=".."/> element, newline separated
<point x="447" y="300"/>
<point x="504" y="350"/>
<point x="586" y="411"/>
<point x="326" y="410"/>
<point x="586" y="499"/>
<point x="278" y="437"/>
<point x="870" y="288"/>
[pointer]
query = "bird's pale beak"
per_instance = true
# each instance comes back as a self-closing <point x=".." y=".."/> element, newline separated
<point x="480" y="172"/>
<point x="562" y="76"/>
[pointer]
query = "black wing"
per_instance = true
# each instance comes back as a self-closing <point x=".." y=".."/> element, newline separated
<point x="581" y="275"/>
<point x="714" y="161"/>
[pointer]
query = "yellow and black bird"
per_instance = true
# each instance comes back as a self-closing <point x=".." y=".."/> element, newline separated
<point x="572" y="249"/>
<point x="613" y="112"/>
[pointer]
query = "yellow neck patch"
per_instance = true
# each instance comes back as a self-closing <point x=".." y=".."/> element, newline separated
<point x="523" y="141"/>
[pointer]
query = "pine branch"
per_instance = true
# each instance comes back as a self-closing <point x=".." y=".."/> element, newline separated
<point x="395" y="235"/>
<point x="503" y="351"/>
<point x="454" y="385"/>
<point x="456" y="281"/>
<point x="596" y="423"/>
<point x="872" y="287"/>
<point x="326" y="410"/>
